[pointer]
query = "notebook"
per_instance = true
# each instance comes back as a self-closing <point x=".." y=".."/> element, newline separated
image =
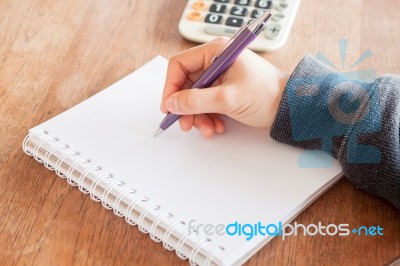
<point x="181" y="189"/>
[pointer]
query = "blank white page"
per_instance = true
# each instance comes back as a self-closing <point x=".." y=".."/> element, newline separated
<point x="242" y="175"/>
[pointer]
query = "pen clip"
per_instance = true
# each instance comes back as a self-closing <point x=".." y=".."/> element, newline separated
<point x="227" y="44"/>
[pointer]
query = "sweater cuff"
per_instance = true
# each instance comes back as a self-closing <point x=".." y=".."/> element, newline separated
<point x="321" y="109"/>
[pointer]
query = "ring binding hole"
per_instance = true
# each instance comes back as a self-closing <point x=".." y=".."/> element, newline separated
<point x="66" y="146"/>
<point x="145" y="199"/>
<point x="110" y="176"/>
<point x="121" y="183"/>
<point x="88" y="160"/>
<point x="46" y="131"/>
<point x="77" y="153"/>
<point x="57" y="139"/>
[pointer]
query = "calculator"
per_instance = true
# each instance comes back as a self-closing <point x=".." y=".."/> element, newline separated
<point x="204" y="20"/>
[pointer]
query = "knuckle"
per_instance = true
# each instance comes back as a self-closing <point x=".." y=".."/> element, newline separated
<point x="221" y="39"/>
<point x="173" y="60"/>
<point x="219" y="42"/>
<point x="226" y="99"/>
<point x="188" y="102"/>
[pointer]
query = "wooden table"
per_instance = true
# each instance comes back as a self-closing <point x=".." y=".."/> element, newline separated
<point x="54" y="54"/>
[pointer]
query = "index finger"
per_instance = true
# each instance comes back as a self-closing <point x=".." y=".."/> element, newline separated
<point x="187" y="64"/>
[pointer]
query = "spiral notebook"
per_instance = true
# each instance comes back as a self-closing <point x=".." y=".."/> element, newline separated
<point x="181" y="189"/>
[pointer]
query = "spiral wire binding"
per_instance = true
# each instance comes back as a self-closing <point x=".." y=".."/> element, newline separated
<point x="95" y="184"/>
<point x="155" y="224"/>
<point x="168" y="233"/>
<point x="196" y="249"/>
<point x="81" y="179"/>
<point x="25" y="144"/>
<point x="213" y="253"/>
<point x="143" y="215"/>
<point x="37" y="148"/>
<point x="70" y="172"/>
<point x="77" y="161"/>
<point x="119" y="198"/>
<point x="107" y="192"/>
<point x="179" y="246"/>
<point x="49" y="153"/>
<point x="130" y="209"/>
<point x="58" y="167"/>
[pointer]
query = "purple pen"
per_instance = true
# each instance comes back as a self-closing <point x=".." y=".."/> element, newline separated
<point x="222" y="61"/>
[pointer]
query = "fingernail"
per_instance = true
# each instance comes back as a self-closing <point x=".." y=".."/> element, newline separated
<point x="172" y="104"/>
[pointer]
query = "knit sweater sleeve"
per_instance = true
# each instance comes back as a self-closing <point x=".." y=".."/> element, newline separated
<point x="354" y="121"/>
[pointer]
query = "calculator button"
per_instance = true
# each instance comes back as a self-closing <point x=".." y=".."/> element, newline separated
<point x="256" y="13"/>
<point x="218" y="8"/>
<point x="222" y="1"/>
<point x="199" y="5"/>
<point x="238" y="11"/>
<point x="219" y="31"/>
<point x="266" y="4"/>
<point x="277" y="16"/>
<point x="242" y="2"/>
<point x="272" y="30"/>
<point x="213" y="18"/>
<point x="234" y="22"/>
<point x="194" y="16"/>
<point x="281" y="6"/>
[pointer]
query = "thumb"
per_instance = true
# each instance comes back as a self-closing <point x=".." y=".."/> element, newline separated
<point x="197" y="101"/>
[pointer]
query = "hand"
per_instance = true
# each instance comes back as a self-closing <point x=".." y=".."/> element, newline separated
<point x="249" y="91"/>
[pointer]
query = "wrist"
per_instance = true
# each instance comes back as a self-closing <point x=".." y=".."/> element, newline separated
<point x="280" y="85"/>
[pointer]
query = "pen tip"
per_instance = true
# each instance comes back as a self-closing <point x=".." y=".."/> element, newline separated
<point x="158" y="132"/>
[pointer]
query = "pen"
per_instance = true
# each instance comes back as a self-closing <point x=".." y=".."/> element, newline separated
<point x="222" y="61"/>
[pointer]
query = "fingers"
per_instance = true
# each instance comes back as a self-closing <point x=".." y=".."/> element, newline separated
<point x="199" y="101"/>
<point x="219" y="125"/>
<point x="183" y="70"/>
<point x="186" y="122"/>
<point x="207" y="124"/>
<point x="187" y="66"/>
<point x="203" y="103"/>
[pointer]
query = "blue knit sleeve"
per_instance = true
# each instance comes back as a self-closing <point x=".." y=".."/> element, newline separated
<point x="354" y="121"/>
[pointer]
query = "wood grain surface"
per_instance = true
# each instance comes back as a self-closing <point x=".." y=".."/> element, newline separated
<point x="54" y="54"/>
